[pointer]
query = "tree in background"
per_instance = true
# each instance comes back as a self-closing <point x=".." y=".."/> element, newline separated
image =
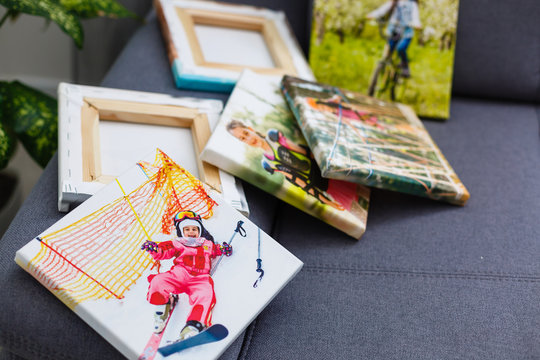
<point x="339" y="16"/>
<point x="439" y="18"/>
<point x="347" y="17"/>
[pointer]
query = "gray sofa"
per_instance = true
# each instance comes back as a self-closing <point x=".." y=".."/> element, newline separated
<point x="427" y="281"/>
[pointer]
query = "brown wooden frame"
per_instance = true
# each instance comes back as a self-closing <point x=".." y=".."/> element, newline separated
<point x="275" y="44"/>
<point x="94" y="110"/>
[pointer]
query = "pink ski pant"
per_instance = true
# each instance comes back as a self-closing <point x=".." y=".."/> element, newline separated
<point x="199" y="288"/>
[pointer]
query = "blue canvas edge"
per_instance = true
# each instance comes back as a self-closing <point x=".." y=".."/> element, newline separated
<point x="200" y="82"/>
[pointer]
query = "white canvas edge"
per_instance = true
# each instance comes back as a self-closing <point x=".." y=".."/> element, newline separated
<point x="71" y="187"/>
<point x="286" y="264"/>
<point x="181" y="43"/>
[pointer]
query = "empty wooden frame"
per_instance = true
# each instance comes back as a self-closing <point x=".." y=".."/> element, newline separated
<point x="190" y="68"/>
<point x="93" y="110"/>
<point x="266" y="27"/>
<point x="102" y="132"/>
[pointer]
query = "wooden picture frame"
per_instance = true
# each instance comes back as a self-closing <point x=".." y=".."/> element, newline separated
<point x="266" y="27"/>
<point x="191" y="70"/>
<point x="141" y="123"/>
<point x="94" y="110"/>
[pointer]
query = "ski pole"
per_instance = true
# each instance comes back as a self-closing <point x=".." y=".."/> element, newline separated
<point x="259" y="263"/>
<point x="239" y="229"/>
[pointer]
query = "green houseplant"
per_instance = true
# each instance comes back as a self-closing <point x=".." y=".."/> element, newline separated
<point x="26" y="114"/>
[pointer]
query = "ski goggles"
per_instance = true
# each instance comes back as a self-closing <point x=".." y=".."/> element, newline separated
<point x="186" y="215"/>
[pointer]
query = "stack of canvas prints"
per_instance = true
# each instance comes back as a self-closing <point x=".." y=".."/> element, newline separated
<point x="258" y="140"/>
<point x="398" y="50"/>
<point x="365" y="140"/>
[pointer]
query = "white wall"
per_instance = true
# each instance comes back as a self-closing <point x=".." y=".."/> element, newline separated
<point x="40" y="56"/>
<point x="35" y="53"/>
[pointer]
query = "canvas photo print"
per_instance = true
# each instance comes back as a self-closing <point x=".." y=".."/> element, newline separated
<point x="159" y="265"/>
<point x="371" y="142"/>
<point x="396" y="50"/>
<point x="258" y="140"/>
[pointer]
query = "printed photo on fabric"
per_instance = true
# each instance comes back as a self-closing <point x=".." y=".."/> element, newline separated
<point x="396" y="50"/>
<point x="266" y="148"/>
<point x="368" y="141"/>
<point x="159" y="264"/>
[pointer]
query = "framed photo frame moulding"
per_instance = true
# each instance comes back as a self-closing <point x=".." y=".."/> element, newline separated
<point x="102" y="132"/>
<point x="210" y="43"/>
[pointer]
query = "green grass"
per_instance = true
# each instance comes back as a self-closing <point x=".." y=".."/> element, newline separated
<point x="350" y="65"/>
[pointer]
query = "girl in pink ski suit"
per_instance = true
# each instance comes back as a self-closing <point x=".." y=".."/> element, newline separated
<point x="193" y="251"/>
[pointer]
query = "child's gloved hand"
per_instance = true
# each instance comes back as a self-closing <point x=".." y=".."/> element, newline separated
<point x="150" y="246"/>
<point x="226" y="249"/>
<point x="266" y="166"/>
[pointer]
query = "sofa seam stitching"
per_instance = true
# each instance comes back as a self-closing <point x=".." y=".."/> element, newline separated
<point x="420" y="269"/>
<point x="423" y="274"/>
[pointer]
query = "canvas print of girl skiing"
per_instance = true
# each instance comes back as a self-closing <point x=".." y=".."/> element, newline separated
<point x="148" y="263"/>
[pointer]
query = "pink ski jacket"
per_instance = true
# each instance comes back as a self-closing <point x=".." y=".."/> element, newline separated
<point x="197" y="260"/>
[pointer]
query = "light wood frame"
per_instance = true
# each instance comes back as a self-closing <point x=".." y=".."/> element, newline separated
<point x="94" y="110"/>
<point x="275" y="44"/>
<point x="191" y="70"/>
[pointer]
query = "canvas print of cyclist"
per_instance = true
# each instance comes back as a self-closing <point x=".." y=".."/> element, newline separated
<point x="396" y="50"/>
<point x="258" y="140"/>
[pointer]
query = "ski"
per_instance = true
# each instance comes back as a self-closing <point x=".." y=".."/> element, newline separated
<point x="152" y="346"/>
<point x="214" y="333"/>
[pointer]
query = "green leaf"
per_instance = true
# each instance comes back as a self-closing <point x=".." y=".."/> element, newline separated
<point x="93" y="8"/>
<point x="7" y="136"/>
<point x="10" y="14"/>
<point x="7" y="145"/>
<point x="33" y="116"/>
<point x="49" y="9"/>
<point x="14" y="15"/>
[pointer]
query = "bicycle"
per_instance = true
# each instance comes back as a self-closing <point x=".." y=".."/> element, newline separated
<point x="387" y="74"/>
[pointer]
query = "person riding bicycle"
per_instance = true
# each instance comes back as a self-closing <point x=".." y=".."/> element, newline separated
<point x="403" y="18"/>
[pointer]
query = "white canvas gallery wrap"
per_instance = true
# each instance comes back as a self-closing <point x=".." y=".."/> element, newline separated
<point x="128" y="323"/>
<point x="220" y="138"/>
<point x="121" y="144"/>
<point x="181" y="43"/>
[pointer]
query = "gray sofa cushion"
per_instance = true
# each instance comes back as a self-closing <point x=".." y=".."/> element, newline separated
<point x="428" y="280"/>
<point x="498" y="50"/>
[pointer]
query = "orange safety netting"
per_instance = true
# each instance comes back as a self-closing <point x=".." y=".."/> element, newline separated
<point x="99" y="256"/>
